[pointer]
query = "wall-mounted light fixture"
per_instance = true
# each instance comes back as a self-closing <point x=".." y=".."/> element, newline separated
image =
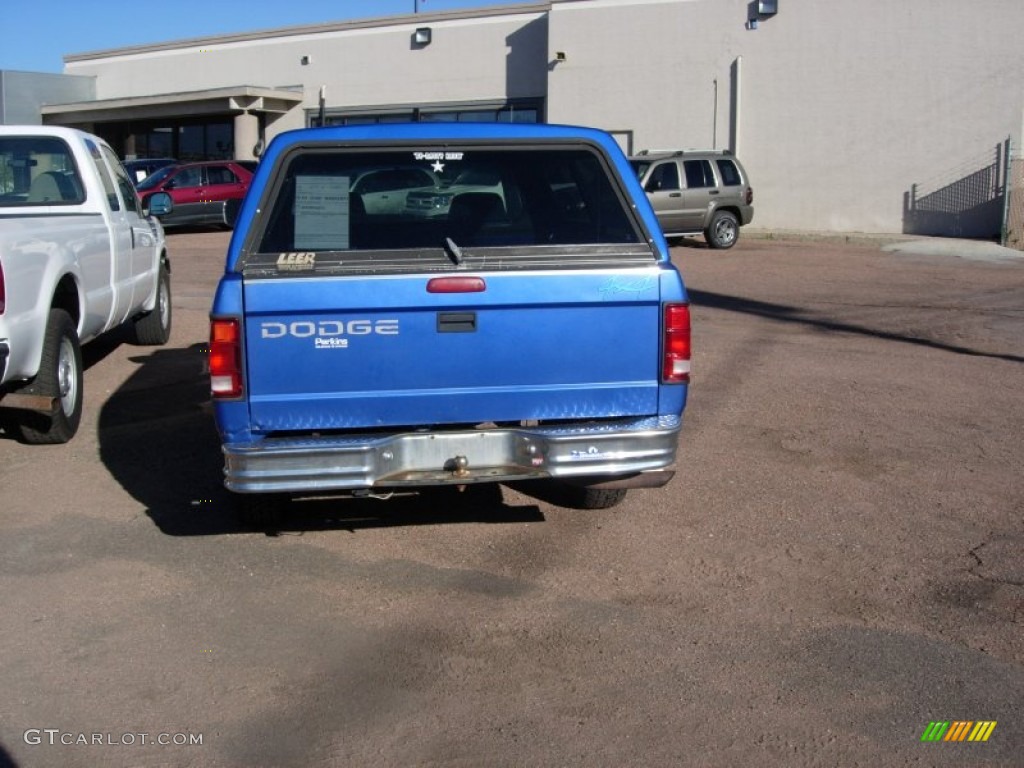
<point x="757" y="10"/>
<point x="421" y="37"/>
<point x="306" y="61"/>
<point x="560" y="56"/>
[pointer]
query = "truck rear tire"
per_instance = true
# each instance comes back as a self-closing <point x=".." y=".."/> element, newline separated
<point x="723" y="231"/>
<point x="59" y="377"/>
<point x="582" y="497"/>
<point x="154" y="327"/>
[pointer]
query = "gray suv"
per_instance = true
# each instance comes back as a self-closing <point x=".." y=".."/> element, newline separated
<point x="697" y="192"/>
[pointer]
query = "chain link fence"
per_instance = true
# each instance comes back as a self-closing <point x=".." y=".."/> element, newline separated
<point x="966" y="200"/>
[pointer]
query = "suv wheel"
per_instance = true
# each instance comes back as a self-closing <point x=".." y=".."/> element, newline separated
<point x="723" y="231"/>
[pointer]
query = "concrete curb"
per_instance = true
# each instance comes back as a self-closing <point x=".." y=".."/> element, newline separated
<point x="973" y="250"/>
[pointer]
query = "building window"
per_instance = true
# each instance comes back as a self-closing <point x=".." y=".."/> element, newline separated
<point x="184" y="140"/>
<point x="520" y="111"/>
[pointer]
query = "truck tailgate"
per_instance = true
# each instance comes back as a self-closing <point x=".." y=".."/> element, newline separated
<point x="363" y="352"/>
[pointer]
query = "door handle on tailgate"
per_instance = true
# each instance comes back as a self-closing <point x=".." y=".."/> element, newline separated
<point x="456" y="322"/>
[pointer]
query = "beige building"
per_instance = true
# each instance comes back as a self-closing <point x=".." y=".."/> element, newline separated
<point x="835" y="107"/>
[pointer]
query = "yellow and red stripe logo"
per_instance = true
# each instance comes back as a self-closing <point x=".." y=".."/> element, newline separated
<point x="958" y="730"/>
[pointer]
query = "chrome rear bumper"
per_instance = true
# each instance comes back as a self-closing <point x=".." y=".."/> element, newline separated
<point x="615" y="453"/>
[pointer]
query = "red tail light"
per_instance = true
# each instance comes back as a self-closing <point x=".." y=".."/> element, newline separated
<point x="3" y="290"/>
<point x="225" y="358"/>
<point x="675" y="367"/>
<point x="750" y="195"/>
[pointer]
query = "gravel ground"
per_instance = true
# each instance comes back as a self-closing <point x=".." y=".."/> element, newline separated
<point x="837" y="563"/>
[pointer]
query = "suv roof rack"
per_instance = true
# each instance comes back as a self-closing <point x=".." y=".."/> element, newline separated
<point x="680" y="152"/>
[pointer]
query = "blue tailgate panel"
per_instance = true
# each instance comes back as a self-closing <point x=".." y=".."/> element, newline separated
<point x="366" y="352"/>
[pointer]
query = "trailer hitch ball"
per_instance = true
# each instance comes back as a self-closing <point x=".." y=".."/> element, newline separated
<point x="461" y="466"/>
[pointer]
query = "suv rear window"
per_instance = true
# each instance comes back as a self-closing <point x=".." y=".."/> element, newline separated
<point x="475" y="198"/>
<point x="730" y="174"/>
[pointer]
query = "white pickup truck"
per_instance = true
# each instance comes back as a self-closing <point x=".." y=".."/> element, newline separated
<point x="78" y="257"/>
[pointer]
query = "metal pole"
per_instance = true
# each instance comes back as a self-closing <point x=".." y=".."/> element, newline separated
<point x="1007" y="184"/>
<point x="737" y="103"/>
<point x="714" y="119"/>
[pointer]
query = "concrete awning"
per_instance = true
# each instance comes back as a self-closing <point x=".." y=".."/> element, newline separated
<point x="215" y="101"/>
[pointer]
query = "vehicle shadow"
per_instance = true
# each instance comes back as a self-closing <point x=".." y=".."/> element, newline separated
<point x="6" y="761"/>
<point x="188" y="229"/>
<point x="790" y="314"/>
<point x="695" y="243"/>
<point x="427" y="506"/>
<point x="158" y="440"/>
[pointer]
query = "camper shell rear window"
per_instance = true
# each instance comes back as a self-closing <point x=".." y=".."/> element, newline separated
<point x="392" y="209"/>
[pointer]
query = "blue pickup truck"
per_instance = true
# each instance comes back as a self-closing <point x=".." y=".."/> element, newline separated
<point x="447" y="304"/>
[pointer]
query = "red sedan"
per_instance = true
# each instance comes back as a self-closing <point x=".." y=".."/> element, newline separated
<point x="199" y="191"/>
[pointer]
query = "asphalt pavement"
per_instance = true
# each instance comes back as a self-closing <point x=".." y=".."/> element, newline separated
<point x="835" y="568"/>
